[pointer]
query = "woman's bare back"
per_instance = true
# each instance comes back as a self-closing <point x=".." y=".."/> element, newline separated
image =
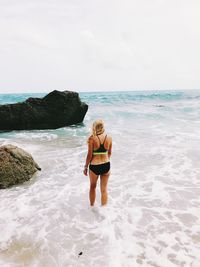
<point x="98" y="159"/>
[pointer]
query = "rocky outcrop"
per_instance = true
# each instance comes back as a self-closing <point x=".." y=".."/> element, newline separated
<point x="16" y="166"/>
<point x="55" y="110"/>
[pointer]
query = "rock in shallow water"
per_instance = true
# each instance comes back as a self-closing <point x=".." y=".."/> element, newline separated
<point x="16" y="166"/>
<point x="55" y="110"/>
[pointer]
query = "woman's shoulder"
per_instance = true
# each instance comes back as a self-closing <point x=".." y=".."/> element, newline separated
<point x="109" y="137"/>
<point x="90" y="138"/>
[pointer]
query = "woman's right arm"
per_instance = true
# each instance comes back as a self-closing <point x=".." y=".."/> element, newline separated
<point x="110" y="149"/>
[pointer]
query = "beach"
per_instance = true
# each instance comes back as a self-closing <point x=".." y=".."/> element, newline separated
<point x="152" y="218"/>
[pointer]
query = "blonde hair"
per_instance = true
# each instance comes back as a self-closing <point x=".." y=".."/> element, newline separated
<point x="98" y="127"/>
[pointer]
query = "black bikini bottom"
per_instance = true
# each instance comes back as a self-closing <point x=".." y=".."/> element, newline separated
<point x="100" y="168"/>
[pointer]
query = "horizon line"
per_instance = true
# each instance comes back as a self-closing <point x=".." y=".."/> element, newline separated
<point x="98" y="91"/>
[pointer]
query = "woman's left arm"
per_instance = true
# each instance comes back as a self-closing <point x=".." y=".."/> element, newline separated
<point x="89" y="154"/>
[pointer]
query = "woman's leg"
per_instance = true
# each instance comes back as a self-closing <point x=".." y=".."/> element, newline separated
<point x="93" y="184"/>
<point x="103" y="185"/>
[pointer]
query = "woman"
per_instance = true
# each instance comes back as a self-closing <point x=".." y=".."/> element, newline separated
<point x="99" y="152"/>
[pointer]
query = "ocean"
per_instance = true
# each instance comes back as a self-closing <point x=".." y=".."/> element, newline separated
<point x="152" y="218"/>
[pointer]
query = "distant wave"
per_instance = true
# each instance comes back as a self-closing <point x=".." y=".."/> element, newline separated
<point x="136" y="96"/>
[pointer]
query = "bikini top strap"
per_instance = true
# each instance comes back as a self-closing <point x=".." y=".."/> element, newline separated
<point x="99" y="140"/>
<point x="104" y="139"/>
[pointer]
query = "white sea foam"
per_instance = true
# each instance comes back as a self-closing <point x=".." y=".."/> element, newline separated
<point x="152" y="218"/>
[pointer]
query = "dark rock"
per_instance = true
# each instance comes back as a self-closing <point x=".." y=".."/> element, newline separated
<point x="16" y="166"/>
<point x="55" y="110"/>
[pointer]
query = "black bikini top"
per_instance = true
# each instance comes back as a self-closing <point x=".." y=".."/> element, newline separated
<point x="101" y="150"/>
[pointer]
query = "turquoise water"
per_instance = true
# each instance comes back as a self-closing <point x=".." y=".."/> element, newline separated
<point x="152" y="217"/>
<point x="165" y="102"/>
<point x="111" y="97"/>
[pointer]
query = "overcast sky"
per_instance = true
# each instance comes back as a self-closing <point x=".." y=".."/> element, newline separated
<point x="95" y="45"/>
